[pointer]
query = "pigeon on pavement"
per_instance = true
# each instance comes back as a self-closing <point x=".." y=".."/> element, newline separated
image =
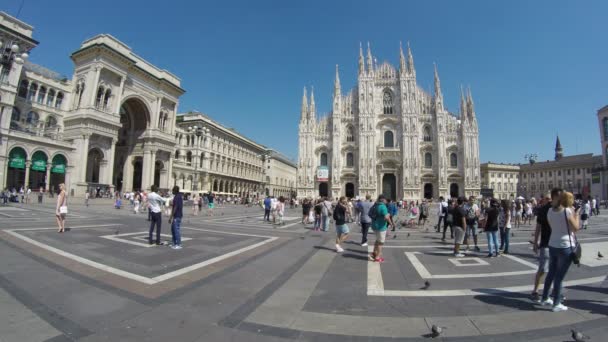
<point x="599" y="255"/>
<point x="578" y="336"/>
<point x="408" y="234"/>
<point x="436" y="331"/>
<point x="116" y="232"/>
<point x="427" y="284"/>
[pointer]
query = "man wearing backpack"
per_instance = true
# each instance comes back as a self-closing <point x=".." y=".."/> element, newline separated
<point x="326" y="213"/>
<point x="472" y="210"/>
<point x="380" y="221"/>
<point x="424" y="212"/>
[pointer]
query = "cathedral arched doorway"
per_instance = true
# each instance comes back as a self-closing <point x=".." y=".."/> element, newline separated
<point x="94" y="159"/>
<point x="454" y="190"/>
<point x="323" y="189"/>
<point x="389" y="186"/>
<point x="134" y="119"/>
<point x="349" y="190"/>
<point x="428" y="190"/>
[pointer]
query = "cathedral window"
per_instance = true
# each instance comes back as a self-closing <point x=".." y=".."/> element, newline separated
<point x="387" y="101"/>
<point x="189" y="157"/>
<point x="427" y="134"/>
<point x="50" y="98"/>
<point x="350" y="160"/>
<point x="389" y="139"/>
<point x="323" y="159"/>
<point x="51" y="122"/>
<point x="32" y="118"/>
<point x="428" y="160"/>
<point x="605" y="121"/>
<point x="350" y="134"/>
<point x="177" y="154"/>
<point x="106" y="98"/>
<point x="99" y="98"/>
<point x="453" y="160"/>
<point x="23" y="88"/>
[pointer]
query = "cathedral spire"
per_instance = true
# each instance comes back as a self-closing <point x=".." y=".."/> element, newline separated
<point x="463" y="106"/>
<point x="559" y="152"/>
<point x="304" y="110"/>
<point x="337" y="83"/>
<point x="361" y="62"/>
<point x="410" y="61"/>
<point x="402" y="65"/>
<point x="370" y="61"/>
<point x="470" y="104"/>
<point x="313" y="109"/>
<point x="438" y="94"/>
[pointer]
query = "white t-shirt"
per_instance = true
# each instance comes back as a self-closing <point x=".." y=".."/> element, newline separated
<point x="559" y="229"/>
<point x="441" y="206"/>
<point x="593" y="203"/>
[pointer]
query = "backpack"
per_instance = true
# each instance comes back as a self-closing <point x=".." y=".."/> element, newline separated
<point x="471" y="213"/>
<point x="424" y="209"/>
<point x="444" y="209"/>
<point x="373" y="211"/>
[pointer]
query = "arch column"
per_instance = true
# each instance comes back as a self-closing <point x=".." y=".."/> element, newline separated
<point x="148" y="169"/>
<point x="108" y="174"/>
<point x="26" y="182"/>
<point x="84" y="153"/>
<point x="47" y="183"/>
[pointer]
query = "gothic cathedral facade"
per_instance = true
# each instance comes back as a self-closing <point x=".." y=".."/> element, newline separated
<point x="388" y="136"/>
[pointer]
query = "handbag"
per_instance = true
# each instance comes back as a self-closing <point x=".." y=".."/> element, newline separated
<point x="577" y="251"/>
<point x="63" y="209"/>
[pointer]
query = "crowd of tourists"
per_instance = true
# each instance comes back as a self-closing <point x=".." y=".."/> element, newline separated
<point x="558" y="217"/>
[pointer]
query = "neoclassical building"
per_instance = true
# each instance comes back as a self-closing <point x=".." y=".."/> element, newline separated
<point x="388" y="135"/>
<point x="112" y="125"/>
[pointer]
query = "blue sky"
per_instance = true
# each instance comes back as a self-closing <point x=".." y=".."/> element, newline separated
<point x="536" y="68"/>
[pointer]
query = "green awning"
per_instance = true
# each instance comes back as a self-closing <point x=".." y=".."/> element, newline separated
<point x="59" y="164"/>
<point x="17" y="158"/>
<point x="39" y="161"/>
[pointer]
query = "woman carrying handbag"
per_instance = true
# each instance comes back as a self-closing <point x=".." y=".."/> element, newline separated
<point x="563" y="246"/>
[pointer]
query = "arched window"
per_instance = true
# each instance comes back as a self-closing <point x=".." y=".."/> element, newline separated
<point x="350" y="160"/>
<point x="189" y="157"/>
<point x="350" y="134"/>
<point x="428" y="160"/>
<point x="79" y="92"/>
<point x="32" y="93"/>
<point x="59" y="100"/>
<point x="177" y="154"/>
<point x="106" y="98"/>
<point x="389" y="139"/>
<point x="23" y="88"/>
<point x="323" y="159"/>
<point x="15" y="118"/>
<point x="426" y="133"/>
<point x="99" y="97"/>
<point x="41" y="95"/>
<point x="50" y="97"/>
<point x="605" y="121"/>
<point x="51" y="122"/>
<point x="387" y="101"/>
<point x="453" y="160"/>
<point x="32" y="118"/>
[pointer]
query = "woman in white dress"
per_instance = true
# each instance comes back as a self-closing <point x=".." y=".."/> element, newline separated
<point x="61" y="209"/>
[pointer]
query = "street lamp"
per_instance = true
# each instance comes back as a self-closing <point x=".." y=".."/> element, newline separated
<point x="531" y="158"/>
<point x="10" y="52"/>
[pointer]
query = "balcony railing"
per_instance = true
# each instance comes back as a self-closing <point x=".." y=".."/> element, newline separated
<point x="35" y="130"/>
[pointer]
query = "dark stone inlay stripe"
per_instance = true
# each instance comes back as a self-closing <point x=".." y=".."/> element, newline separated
<point x="52" y="317"/>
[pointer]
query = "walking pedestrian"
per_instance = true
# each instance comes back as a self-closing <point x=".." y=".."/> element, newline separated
<point x="442" y="211"/>
<point x="363" y="208"/>
<point x="326" y="213"/>
<point x="318" y="210"/>
<point x="86" y="199"/>
<point x="540" y="245"/>
<point x="460" y="223"/>
<point x="267" y="207"/>
<point x="176" y="218"/>
<point x="424" y="212"/>
<point x="492" y="228"/>
<point x="381" y="219"/>
<point x="505" y="223"/>
<point x="154" y="207"/>
<point x="305" y="211"/>
<point x="472" y="210"/>
<point x="280" y="209"/>
<point x="342" y="229"/>
<point x="61" y="209"/>
<point x="585" y="213"/>
<point x="449" y="219"/>
<point x="564" y="222"/>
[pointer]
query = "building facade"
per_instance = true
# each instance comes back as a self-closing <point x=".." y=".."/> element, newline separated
<point x="388" y="135"/>
<point x="502" y="179"/>
<point x="573" y="173"/>
<point x="280" y="175"/>
<point x="113" y="125"/>
<point x="602" y="170"/>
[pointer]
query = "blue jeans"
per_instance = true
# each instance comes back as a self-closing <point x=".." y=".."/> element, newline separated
<point x="155" y="222"/>
<point x="317" y="222"/>
<point x="325" y="222"/>
<point x="175" y="233"/>
<point x="492" y="241"/>
<point x="559" y="263"/>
